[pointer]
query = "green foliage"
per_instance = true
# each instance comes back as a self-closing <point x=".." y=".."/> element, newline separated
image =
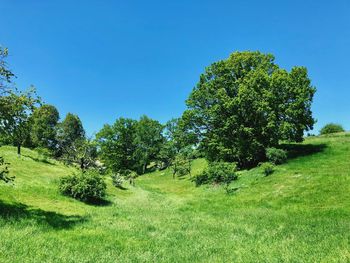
<point x="245" y="104"/>
<point x="130" y="144"/>
<point x="5" y="73"/>
<point x="217" y="173"/>
<point x="276" y="156"/>
<point x="331" y="128"/>
<point x="148" y="142"/>
<point x="69" y="131"/>
<point x="44" y="124"/>
<point x="181" y="166"/>
<point x="117" y="180"/>
<point x="86" y="186"/>
<point x="4" y="172"/>
<point x="268" y="168"/>
<point x="16" y="109"/>
<point x="116" y="143"/>
<point x="81" y="152"/>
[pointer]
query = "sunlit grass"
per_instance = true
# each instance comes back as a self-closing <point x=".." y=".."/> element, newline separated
<point x="300" y="213"/>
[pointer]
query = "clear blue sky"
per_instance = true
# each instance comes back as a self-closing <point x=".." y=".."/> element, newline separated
<point x="106" y="59"/>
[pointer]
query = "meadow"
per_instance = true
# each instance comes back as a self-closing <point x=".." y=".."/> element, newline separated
<point x="300" y="213"/>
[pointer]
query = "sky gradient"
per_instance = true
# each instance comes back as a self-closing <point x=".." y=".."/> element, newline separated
<point x="107" y="59"/>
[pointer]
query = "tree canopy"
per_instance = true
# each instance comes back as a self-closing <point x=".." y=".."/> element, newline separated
<point x="246" y="103"/>
<point x="130" y="145"/>
<point x="15" y="116"/>
<point x="44" y="124"/>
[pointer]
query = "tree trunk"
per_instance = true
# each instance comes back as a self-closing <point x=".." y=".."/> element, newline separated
<point x="19" y="149"/>
<point x="144" y="168"/>
<point x="82" y="166"/>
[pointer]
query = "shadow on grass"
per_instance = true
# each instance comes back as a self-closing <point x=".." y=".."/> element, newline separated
<point x="121" y="187"/>
<point x="38" y="159"/>
<point x="99" y="202"/>
<point x="231" y="191"/>
<point x="18" y="211"/>
<point x="299" y="150"/>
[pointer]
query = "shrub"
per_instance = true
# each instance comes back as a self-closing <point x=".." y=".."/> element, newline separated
<point x="276" y="156"/>
<point x="331" y="128"/>
<point x="117" y="180"/>
<point x="268" y="168"/>
<point x="86" y="186"/>
<point x="4" y="172"/>
<point x="217" y="173"/>
<point x="43" y="154"/>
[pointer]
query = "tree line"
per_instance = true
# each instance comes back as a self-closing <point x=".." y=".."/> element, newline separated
<point x="240" y="107"/>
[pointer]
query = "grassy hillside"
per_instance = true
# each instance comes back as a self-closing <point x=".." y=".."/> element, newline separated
<point x="301" y="213"/>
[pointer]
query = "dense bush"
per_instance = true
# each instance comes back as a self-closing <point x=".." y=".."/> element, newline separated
<point x="88" y="186"/>
<point x="276" y="156"/>
<point x="331" y="128"/>
<point x="268" y="168"/>
<point x="217" y="173"/>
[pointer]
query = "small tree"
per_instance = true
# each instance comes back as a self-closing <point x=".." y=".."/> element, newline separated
<point x="182" y="164"/>
<point x="15" y="116"/>
<point x="68" y="131"/>
<point x="331" y="128"/>
<point x="5" y="73"/>
<point x="82" y="152"/>
<point x="44" y="126"/>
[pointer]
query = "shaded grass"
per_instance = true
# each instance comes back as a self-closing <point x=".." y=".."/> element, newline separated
<point x="298" y="214"/>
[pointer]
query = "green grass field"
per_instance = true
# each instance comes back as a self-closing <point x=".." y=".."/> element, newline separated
<point x="301" y="213"/>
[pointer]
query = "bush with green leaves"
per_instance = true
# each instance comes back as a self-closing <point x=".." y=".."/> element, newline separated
<point x="268" y="168"/>
<point x="117" y="179"/>
<point x="4" y="172"/>
<point x="276" y="156"/>
<point x="331" y="128"/>
<point x="217" y="173"/>
<point x="86" y="186"/>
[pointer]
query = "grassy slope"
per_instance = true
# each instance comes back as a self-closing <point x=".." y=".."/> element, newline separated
<point x="301" y="213"/>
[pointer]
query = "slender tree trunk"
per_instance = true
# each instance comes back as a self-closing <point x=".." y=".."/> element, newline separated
<point x="19" y="149"/>
<point x="82" y="166"/>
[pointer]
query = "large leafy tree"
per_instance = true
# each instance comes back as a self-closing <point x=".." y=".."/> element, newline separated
<point x="148" y="142"/>
<point x="116" y="144"/>
<point x="246" y="103"/>
<point x="129" y="144"/>
<point x="44" y="126"/>
<point x="16" y="109"/>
